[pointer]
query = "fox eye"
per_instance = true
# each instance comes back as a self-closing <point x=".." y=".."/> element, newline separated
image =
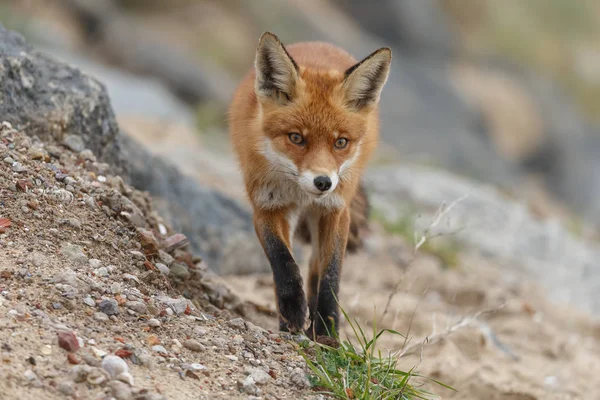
<point x="341" y="143"/>
<point x="296" y="138"/>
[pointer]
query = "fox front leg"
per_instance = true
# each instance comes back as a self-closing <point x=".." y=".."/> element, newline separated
<point x="273" y="231"/>
<point x="325" y="272"/>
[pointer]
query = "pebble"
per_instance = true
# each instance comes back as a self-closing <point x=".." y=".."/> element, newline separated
<point x="137" y="306"/>
<point x="163" y="268"/>
<point x="237" y="323"/>
<point x="248" y="386"/>
<point x="30" y="375"/>
<point x="153" y="322"/>
<point x="66" y="387"/>
<point x="9" y="160"/>
<point x="114" y="365"/>
<point x="89" y="301"/>
<point x="194" y="345"/>
<point x="87" y="154"/>
<point x="165" y="257"/>
<point x="18" y="167"/>
<point x="298" y="377"/>
<point x="74" y="254"/>
<point x="95" y="263"/>
<point x="120" y="390"/>
<point x="69" y="181"/>
<point x="231" y="357"/>
<point x="180" y="271"/>
<point x="74" y="142"/>
<point x="109" y="307"/>
<point x="68" y="341"/>
<point x="260" y="376"/>
<point x="102" y="272"/>
<point x="100" y="316"/>
<point x="62" y="196"/>
<point x="197" y="367"/>
<point x="159" y="349"/>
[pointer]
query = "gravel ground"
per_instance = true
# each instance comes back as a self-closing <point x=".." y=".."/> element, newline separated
<point x="100" y="300"/>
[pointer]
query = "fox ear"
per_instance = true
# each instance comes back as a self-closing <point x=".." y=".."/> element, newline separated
<point x="276" y="71"/>
<point x="364" y="81"/>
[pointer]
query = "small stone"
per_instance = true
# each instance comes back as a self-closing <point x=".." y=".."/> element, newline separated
<point x="109" y="307"/>
<point x="259" y="376"/>
<point x="101" y="272"/>
<point x="30" y="375"/>
<point x="248" y="386"/>
<point x="68" y="341"/>
<point x="114" y="365"/>
<point x="137" y="306"/>
<point x="175" y="241"/>
<point x="138" y="255"/>
<point x="95" y="263"/>
<point x="36" y="153"/>
<point x="153" y="322"/>
<point x="9" y="160"/>
<point x="159" y="349"/>
<point x="74" y="254"/>
<point x="298" y="377"/>
<point x="162" y="268"/>
<point x="46" y="350"/>
<point x="237" y="323"/>
<point x="165" y="257"/>
<point x="74" y="142"/>
<point x="197" y="367"/>
<point x="129" y="277"/>
<point x="180" y="271"/>
<point x="89" y="301"/>
<point x="100" y="316"/>
<point x="62" y="196"/>
<point x="87" y="154"/>
<point x="194" y="345"/>
<point x="120" y="390"/>
<point x="18" y="167"/>
<point x="231" y="357"/>
<point x="66" y="387"/>
<point x="69" y="181"/>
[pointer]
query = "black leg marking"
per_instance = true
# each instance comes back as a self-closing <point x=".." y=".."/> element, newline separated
<point x="326" y="318"/>
<point x="291" y="300"/>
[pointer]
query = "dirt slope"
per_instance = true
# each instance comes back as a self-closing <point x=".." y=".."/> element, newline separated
<point x="87" y="271"/>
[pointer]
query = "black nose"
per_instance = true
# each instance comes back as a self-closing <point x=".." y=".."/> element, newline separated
<point x="323" y="183"/>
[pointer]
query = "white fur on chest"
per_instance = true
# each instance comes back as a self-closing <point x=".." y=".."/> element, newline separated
<point x="278" y="192"/>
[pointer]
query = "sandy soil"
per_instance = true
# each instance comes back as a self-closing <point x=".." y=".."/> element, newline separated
<point x="526" y="349"/>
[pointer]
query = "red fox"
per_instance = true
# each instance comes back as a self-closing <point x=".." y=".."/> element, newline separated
<point x="303" y="123"/>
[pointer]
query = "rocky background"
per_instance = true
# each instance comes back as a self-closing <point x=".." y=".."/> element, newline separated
<point x="490" y="145"/>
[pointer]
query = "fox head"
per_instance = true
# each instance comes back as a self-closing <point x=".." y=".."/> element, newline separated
<point x="315" y="121"/>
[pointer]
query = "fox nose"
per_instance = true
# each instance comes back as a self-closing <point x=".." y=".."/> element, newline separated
<point x="323" y="183"/>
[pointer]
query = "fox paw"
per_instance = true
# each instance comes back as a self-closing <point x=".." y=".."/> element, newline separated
<point x="293" y="313"/>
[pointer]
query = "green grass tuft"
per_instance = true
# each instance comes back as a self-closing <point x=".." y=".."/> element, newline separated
<point x="359" y="371"/>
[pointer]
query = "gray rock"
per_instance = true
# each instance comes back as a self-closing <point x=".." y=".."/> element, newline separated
<point x="137" y="306"/>
<point x="298" y="378"/>
<point x="237" y="323"/>
<point x="259" y="376"/>
<point x="74" y="254"/>
<point x="114" y="365"/>
<point x="66" y="387"/>
<point x="120" y="390"/>
<point x="163" y="268"/>
<point x="74" y="142"/>
<point x="485" y="220"/>
<point x="54" y="99"/>
<point x="100" y="316"/>
<point x="181" y="271"/>
<point x="193" y="345"/>
<point x="154" y="323"/>
<point x="159" y="349"/>
<point x="109" y="307"/>
<point x="248" y="386"/>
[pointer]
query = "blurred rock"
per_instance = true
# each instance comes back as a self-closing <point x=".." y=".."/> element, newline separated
<point x="54" y="99"/>
<point x="490" y="223"/>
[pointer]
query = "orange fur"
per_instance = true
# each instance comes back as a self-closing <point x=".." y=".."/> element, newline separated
<point x="323" y="95"/>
